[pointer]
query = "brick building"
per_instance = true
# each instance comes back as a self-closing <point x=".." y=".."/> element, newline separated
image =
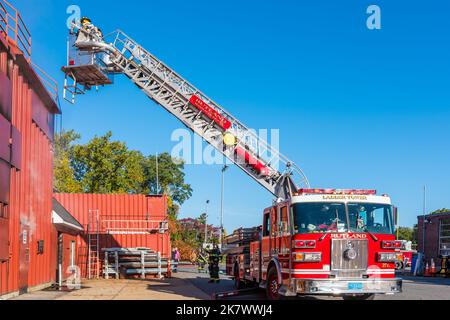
<point x="437" y="235"/>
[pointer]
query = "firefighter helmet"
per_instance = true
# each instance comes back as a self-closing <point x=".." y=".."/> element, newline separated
<point x="85" y="20"/>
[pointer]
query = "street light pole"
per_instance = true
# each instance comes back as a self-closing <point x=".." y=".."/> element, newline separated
<point x="206" y="222"/>
<point x="225" y="167"/>
<point x="424" y="218"/>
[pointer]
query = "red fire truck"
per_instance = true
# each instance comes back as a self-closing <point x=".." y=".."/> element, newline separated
<point x="312" y="241"/>
<point x="327" y="242"/>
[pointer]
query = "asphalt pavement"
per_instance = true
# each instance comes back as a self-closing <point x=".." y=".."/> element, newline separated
<point x="414" y="288"/>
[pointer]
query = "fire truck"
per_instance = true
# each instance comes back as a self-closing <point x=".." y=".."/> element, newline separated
<point x="320" y="242"/>
<point x="312" y="241"/>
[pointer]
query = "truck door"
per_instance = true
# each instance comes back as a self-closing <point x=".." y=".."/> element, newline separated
<point x="265" y="244"/>
<point x="274" y="240"/>
<point x="284" y="236"/>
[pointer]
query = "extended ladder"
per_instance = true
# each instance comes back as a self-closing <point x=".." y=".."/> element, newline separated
<point x="193" y="108"/>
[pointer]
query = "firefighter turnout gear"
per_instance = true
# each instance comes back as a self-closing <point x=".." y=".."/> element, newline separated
<point x="215" y="257"/>
<point x="201" y="262"/>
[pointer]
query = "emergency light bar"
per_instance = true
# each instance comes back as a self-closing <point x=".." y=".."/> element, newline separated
<point x="338" y="191"/>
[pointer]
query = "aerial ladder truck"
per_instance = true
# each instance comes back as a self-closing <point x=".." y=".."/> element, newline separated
<point x="312" y="241"/>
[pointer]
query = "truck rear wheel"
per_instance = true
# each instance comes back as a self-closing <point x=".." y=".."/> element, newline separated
<point x="273" y="287"/>
<point x="238" y="283"/>
<point x="367" y="296"/>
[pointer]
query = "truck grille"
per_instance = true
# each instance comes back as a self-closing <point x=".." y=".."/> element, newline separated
<point x="342" y="264"/>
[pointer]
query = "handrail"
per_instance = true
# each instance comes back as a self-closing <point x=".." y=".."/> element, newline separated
<point x="49" y="83"/>
<point x="14" y="28"/>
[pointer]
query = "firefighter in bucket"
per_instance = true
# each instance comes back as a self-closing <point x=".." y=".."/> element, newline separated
<point x="215" y="257"/>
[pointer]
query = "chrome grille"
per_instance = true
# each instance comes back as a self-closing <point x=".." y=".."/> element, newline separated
<point x="341" y="264"/>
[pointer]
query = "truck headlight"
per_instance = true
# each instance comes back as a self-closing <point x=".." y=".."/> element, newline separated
<point x="307" y="256"/>
<point x="389" y="256"/>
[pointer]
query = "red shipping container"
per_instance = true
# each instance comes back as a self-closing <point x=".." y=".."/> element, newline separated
<point x="123" y="222"/>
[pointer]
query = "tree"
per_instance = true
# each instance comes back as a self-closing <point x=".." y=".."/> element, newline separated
<point x="415" y="236"/>
<point x="203" y="218"/>
<point x="443" y="210"/>
<point x="165" y="175"/>
<point x="64" y="175"/>
<point x="405" y="233"/>
<point x="106" y="166"/>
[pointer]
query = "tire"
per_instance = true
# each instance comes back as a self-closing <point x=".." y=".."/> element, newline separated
<point x="367" y="296"/>
<point x="238" y="283"/>
<point x="399" y="265"/>
<point x="273" y="286"/>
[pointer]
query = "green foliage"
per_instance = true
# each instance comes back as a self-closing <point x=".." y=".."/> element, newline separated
<point x="202" y="219"/>
<point x="64" y="176"/>
<point x="106" y="166"/>
<point x="405" y="233"/>
<point x="170" y="177"/>
<point x="415" y="234"/>
<point x="443" y="210"/>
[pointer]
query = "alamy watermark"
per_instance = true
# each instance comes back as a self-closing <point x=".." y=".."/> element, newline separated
<point x="374" y="20"/>
<point x="193" y="150"/>
<point x="74" y="13"/>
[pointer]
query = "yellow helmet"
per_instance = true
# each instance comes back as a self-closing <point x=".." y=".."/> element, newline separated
<point x="85" y="20"/>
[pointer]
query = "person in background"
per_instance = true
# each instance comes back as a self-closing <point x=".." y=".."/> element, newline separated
<point x="177" y="255"/>
<point x="175" y="259"/>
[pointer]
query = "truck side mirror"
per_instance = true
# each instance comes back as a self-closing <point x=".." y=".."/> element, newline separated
<point x="396" y="216"/>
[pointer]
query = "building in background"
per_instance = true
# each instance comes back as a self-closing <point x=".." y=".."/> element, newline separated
<point x="197" y="227"/>
<point x="437" y="235"/>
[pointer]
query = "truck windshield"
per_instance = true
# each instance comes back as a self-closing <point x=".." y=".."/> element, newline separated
<point x="369" y="217"/>
<point x="319" y="217"/>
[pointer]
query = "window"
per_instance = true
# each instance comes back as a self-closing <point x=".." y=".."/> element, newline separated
<point x="72" y="253"/>
<point x="3" y="211"/>
<point x="266" y="226"/>
<point x="284" y="220"/>
<point x="318" y="217"/>
<point x="444" y="237"/>
<point x="273" y="222"/>
<point x="40" y="249"/>
<point x="369" y="217"/>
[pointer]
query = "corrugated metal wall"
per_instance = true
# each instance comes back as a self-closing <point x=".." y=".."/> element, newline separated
<point x="118" y="207"/>
<point x="30" y="183"/>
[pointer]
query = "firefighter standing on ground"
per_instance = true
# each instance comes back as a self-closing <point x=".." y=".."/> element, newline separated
<point x="214" y="259"/>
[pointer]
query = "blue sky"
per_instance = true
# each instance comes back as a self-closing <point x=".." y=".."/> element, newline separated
<point x="356" y="108"/>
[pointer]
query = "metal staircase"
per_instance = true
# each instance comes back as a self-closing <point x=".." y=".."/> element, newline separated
<point x="192" y="107"/>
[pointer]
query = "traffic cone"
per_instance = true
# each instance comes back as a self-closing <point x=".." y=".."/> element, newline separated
<point x="433" y="268"/>
<point x="427" y="270"/>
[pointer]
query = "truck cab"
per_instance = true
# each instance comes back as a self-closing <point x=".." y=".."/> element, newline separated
<point x="327" y="242"/>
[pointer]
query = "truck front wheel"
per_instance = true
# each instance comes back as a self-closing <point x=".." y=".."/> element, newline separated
<point x="359" y="297"/>
<point x="273" y="286"/>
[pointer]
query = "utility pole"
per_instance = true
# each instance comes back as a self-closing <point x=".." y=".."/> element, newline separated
<point x="206" y="222"/>
<point x="424" y="218"/>
<point x="157" y="174"/>
<point x="225" y="167"/>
